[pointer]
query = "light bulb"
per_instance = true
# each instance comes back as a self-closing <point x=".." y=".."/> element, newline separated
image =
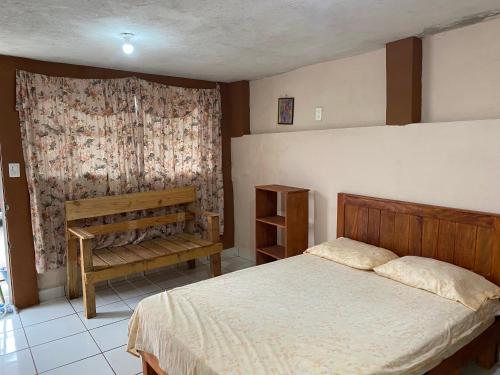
<point x="127" y="48"/>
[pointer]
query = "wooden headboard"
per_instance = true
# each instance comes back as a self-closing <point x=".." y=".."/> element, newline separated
<point x="466" y="238"/>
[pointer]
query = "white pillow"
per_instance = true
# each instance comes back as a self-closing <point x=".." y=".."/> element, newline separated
<point x="444" y="279"/>
<point x="352" y="253"/>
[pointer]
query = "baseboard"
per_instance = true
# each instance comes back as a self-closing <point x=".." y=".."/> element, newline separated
<point x="246" y="254"/>
<point x="51" y="293"/>
<point x="231" y="251"/>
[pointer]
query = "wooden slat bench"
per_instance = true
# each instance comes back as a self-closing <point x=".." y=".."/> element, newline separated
<point x="108" y="263"/>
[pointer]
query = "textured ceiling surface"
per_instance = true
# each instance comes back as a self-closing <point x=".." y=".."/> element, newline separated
<point x="223" y="40"/>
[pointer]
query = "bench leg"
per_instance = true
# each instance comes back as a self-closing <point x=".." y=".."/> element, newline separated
<point x="191" y="263"/>
<point x="215" y="266"/>
<point x="87" y="282"/>
<point x="72" y="269"/>
<point x="89" y="299"/>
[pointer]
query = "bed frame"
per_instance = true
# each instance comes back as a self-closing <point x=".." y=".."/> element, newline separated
<point x="466" y="238"/>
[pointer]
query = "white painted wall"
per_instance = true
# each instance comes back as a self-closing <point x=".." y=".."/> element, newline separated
<point x="461" y="74"/>
<point x="351" y="92"/>
<point x="460" y="81"/>
<point x="451" y="164"/>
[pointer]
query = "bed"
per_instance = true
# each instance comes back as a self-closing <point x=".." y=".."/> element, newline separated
<point x="309" y="315"/>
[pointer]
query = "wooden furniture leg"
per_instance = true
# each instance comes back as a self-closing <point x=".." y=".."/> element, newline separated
<point x="190" y="229"/>
<point x="150" y="365"/>
<point x="215" y="265"/>
<point x="146" y="368"/>
<point x="72" y="269"/>
<point x="214" y="236"/>
<point x="87" y="282"/>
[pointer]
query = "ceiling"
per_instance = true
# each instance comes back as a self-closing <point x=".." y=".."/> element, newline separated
<point x="224" y="40"/>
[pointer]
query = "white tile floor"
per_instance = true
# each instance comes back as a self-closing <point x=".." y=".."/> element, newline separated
<point x="55" y="339"/>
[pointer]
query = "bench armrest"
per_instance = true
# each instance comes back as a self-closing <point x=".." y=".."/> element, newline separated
<point x="210" y="214"/>
<point x="213" y="226"/>
<point x="212" y="232"/>
<point x="80" y="233"/>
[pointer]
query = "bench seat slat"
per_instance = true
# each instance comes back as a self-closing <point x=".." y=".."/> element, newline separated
<point x="194" y="239"/>
<point x="183" y="243"/>
<point x="148" y="264"/>
<point x="142" y="251"/>
<point x="98" y="262"/>
<point x="125" y="254"/>
<point x="189" y="241"/>
<point x="172" y="247"/>
<point x="109" y="257"/>
<point x="155" y="247"/>
<point x="174" y="244"/>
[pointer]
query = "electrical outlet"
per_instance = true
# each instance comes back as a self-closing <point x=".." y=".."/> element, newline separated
<point x="14" y="170"/>
<point x="318" y="113"/>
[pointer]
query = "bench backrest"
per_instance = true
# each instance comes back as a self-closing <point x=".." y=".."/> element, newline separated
<point x="116" y="204"/>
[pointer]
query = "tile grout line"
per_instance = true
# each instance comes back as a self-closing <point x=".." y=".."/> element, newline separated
<point x="104" y="325"/>
<point x="27" y="342"/>
<point x="126" y="304"/>
<point x="102" y="353"/>
<point x="60" y="338"/>
<point x="73" y="334"/>
<point x="48" y="320"/>
<point x="93" y="339"/>
<point x="120" y="299"/>
<point x="78" y="316"/>
<point x="29" y="346"/>
<point x="33" y="359"/>
<point x="69" y="363"/>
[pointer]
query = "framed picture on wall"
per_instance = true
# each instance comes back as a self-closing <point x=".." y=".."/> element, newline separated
<point x="285" y="111"/>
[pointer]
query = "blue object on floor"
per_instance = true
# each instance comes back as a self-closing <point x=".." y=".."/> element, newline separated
<point x="4" y="273"/>
<point x="6" y="309"/>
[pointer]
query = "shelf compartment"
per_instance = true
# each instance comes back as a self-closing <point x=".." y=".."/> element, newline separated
<point x="276" y="220"/>
<point x="274" y="251"/>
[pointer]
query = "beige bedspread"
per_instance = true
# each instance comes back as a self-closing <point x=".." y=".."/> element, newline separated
<point x="302" y="315"/>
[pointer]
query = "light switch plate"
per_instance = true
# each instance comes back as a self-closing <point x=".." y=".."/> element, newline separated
<point x="14" y="170"/>
<point x="318" y="113"/>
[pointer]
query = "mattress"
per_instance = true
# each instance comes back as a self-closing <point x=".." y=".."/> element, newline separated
<point x="302" y="315"/>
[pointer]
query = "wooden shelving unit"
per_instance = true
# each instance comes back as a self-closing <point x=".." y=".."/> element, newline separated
<point x="292" y="223"/>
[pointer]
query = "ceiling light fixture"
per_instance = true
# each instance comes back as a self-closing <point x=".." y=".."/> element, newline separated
<point x="127" y="46"/>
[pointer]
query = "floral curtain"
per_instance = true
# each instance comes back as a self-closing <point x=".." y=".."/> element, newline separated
<point x="84" y="138"/>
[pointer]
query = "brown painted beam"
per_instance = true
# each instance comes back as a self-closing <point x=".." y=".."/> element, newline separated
<point x="235" y="99"/>
<point x="226" y="105"/>
<point x="240" y="109"/>
<point x="404" y="81"/>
